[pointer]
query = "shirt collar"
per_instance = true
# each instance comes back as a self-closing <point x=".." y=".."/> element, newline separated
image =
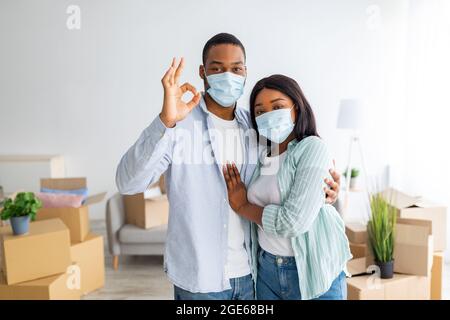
<point x="204" y="108"/>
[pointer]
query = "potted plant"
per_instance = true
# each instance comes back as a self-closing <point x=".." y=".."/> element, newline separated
<point x="381" y="232"/>
<point x="354" y="173"/>
<point x="20" y="211"/>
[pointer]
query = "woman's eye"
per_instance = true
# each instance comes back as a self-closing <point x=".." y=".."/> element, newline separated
<point x="258" y="113"/>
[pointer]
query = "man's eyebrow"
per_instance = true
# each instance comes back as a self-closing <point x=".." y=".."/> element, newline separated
<point x="221" y="63"/>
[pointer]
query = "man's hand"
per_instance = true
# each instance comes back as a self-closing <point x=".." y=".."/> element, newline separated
<point x="174" y="108"/>
<point x="333" y="193"/>
<point x="237" y="192"/>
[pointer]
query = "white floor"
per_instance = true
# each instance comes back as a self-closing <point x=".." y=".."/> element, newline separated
<point x="142" y="277"/>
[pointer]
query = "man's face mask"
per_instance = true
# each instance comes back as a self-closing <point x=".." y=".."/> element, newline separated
<point x="225" y="88"/>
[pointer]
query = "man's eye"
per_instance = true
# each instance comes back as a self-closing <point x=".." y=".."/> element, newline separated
<point x="237" y="69"/>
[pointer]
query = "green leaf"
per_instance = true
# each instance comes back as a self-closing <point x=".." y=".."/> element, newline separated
<point x="381" y="228"/>
<point x="25" y="204"/>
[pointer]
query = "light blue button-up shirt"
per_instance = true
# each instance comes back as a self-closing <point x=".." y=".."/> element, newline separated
<point x="197" y="235"/>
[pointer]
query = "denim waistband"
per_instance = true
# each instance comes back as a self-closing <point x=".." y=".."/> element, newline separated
<point x="279" y="260"/>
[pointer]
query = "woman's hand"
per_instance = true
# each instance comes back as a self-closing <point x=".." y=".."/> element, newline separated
<point x="174" y="108"/>
<point x="332" y="193"/>
<point x="237" y="192"/>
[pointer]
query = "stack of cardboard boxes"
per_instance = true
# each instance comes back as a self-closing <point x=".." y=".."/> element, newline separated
<point x="418" y="259"/>
<point x="60" y="258"/>
<point x="38" y="265"/>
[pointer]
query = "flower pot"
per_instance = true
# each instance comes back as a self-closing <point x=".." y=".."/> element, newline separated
<point x="386" y="269"/>
<point x="20" y="225"/>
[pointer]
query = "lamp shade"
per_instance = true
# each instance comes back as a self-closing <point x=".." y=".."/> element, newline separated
<point x="350" y="114"/>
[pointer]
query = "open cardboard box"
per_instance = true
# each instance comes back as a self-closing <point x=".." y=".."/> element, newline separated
<point x="413" y="251"/>
<point x="419" y="208"/>
<point x="146" y="213"/>
<point x="76" y="219"/>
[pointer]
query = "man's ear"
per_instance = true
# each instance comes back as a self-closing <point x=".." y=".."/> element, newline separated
<point x="201" y="71"/>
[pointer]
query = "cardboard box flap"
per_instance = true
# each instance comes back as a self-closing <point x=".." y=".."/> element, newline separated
<point x="399" y="199"/>
<point x="357" y="266"/>
<point x="425" y="203"/>
<point x="94" y="198"/>
<point x="63" y="183"/>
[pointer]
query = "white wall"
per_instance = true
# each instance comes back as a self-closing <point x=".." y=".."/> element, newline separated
<point x="88" y="93"/>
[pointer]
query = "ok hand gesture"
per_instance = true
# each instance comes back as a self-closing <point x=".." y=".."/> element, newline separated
<point x="174" y="108"/>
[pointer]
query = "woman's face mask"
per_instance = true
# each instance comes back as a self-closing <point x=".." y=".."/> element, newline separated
<point x="225" y="88"/>
<point x="276" y="125"/>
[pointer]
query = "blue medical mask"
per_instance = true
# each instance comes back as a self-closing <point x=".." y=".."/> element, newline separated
<point x="225" y="88"/>
<point x="275" y="125"/>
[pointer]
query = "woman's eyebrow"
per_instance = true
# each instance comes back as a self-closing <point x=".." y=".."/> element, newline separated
<point x="277" y="99"/>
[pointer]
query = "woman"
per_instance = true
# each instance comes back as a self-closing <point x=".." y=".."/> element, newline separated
<point x="299" y="242"/>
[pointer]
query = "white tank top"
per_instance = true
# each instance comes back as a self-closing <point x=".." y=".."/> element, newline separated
<point x="264" y="191"/>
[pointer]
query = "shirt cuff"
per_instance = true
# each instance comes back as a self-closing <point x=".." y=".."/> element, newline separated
<point x="157" y="129"/>
<point x="269" y="216"/>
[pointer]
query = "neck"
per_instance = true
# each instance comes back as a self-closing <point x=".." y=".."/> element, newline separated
<point x="282" y="147"/>
<point x="218" y="110"/>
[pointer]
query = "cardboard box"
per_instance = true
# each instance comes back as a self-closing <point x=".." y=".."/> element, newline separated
<point x="436" y="276"/>
<point x="419" y="208"/>
<point x="76" y="219"/>
<point x="358" y="250"/>
<point x="413" y="251"/>
<point x="356" y="232"/>
<point x="43" y="252"/>
<point x="57" y="287"/>
<point x="357" y="266"/>
<point x="89" y="255"/>
<point x="146" y="213"/>
<point x="400" y="287"/>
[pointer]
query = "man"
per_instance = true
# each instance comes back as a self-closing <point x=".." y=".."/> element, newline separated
<point x="208" y="245"/>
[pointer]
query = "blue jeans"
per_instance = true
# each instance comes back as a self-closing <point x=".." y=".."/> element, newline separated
<point x="278" y="280"/>
<point x="241" y="289"/>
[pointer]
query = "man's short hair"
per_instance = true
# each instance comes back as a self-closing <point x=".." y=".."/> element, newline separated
<point x="221" y="38"/>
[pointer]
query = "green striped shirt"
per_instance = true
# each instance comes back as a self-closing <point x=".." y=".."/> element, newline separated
<point x="316" y="229"/>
